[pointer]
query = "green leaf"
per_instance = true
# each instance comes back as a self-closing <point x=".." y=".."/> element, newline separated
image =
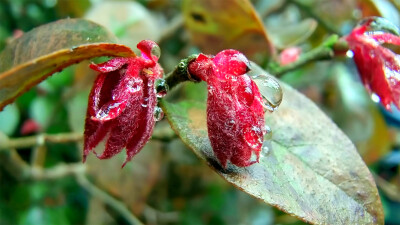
<point x="50" y="48"/>
<point x="311" y="171"/>
<point x="9" y="119"/>
<point x="292" y="34"/>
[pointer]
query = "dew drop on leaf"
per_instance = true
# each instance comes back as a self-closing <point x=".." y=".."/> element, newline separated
<point x="270" y="90"/>
<point x="161" y="88"/>
<point x="266" y="148"/>
<point x="268" y="133"/>
<point x="158" y="114"/>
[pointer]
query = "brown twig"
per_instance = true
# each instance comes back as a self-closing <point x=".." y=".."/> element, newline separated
<point x="106" y="198"/>
<point x="41" y="139"/>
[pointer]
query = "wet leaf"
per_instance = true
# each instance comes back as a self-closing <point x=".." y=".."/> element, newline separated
<point x="216" y="25"/>
<point x="50" y="48"/>
<point x="311" y="171"/>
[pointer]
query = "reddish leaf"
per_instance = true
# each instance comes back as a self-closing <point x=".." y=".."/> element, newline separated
<point x="50" y="48"/>
<point x="219" y="25"/>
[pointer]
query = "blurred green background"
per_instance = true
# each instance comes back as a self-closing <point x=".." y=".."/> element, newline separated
<point x="166" y="183"/>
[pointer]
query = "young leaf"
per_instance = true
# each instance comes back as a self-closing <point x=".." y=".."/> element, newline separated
<point x="50" y="48"/>
<point x="311" y="170"/>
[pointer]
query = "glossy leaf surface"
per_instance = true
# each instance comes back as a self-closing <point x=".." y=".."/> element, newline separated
<point x="49" y="48"/>
<point x="312" y="170"/>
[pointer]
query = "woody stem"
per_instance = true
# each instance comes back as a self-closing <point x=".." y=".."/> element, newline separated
<point x="180" y="73"/>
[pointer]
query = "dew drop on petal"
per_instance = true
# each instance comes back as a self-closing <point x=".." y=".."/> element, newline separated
<point x="270" y="90"/>
<point x="158" y="114"/>
<point x="155" y="51"/>
<point x="161" y="87"/>
<point x="375" y="98"/>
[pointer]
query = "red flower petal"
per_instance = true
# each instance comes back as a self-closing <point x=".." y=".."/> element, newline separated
<point x="122" y="102"/>
<point x="378" y="66"/>
<point x="235" y="116"/>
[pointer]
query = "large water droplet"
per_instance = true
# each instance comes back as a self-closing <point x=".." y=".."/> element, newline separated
<point x="270" y="90"/>
<point x="161" y="87"/>
<point x="158" y="114"/>
<point x="155" y="51"/>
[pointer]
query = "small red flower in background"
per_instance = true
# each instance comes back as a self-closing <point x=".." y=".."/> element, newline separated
<point x="235" y="115"/>
<point x="30" y="126"/>
<point x="378" y="66"/>
<point x="289" y="55"/>
<point x="122" y="103"/>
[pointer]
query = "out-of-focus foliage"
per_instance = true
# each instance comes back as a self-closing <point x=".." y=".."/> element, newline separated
<point x="166" y="183"/>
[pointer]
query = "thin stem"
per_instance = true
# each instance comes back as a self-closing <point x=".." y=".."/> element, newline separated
<point x="41" y="139"/>
<point x="39" y="156"/>
<point x="180" y="73"/>
<point x="56" y="172"/>
<point x="106" y="198"/>
<point x="319" y="53"/>
<point x="325" y="51"/>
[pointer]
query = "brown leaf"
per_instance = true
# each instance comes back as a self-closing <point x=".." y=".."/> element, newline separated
<point x="134" y="182"/>
<point x="218" y="25"/>
<point x="49" y="48"/>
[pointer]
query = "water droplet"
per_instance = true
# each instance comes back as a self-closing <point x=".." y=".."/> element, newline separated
<point x="379" y="25"/>
<point x="375" y="98"/>
<point x="349" y="54"/>
<point x="161" y="87"/>
<point x="88" y="39"/>
<point x="268" y="133"/>
<point x="229" y="124"/>
<point x="144" y="105"/>
<point x="266" y="149"/>
<point x="270" y="90"/>
<point x="158" y="114"/>
<point x="155" y="51"/>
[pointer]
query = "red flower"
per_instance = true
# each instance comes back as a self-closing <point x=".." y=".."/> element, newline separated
<point x="235" y="115"/>
<point x="289" y="55"/>
<point x="378" y="66"/>
<point x="122" y="102"/>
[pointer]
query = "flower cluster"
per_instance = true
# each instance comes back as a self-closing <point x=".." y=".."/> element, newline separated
<point x="122" y="103"/>
<point x="379" y="67"/>
<point x="235" y="115"/>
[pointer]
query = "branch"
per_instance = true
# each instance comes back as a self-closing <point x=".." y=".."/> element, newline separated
<point x="325" y="51"/>
<point x="58" y="171"/>
<point x="106" y="198"/>
<point x="180" y="73"/>
<point x="41" y="139"/>
<point x="154" y="216"/>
